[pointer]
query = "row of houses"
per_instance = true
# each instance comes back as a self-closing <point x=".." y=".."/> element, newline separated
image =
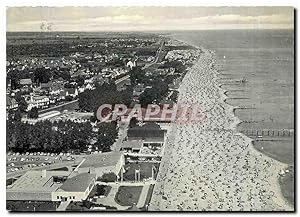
<point x="45" y="94"/>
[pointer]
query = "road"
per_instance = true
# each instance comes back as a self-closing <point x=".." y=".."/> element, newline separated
<point x="158" y="55"/>
<point x="143" y="196"/>
<point x="63" y="206"/>
<point x="122" y="79"/>
<point x="61" y="107"/>
<point x="162" y="43"/>
<point x="126" y="183"/>
<point x="121" y="137"/>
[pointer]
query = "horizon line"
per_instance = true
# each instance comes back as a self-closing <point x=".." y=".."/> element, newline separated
<point x="154" y="30"/>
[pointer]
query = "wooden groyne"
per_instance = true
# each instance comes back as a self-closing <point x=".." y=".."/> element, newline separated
<point x="269" y="132"/>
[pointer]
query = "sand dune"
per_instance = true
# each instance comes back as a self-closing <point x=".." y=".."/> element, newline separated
<point x="209" y="165"/>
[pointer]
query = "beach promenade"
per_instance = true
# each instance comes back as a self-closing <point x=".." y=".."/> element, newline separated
<point x="210" y="166"/>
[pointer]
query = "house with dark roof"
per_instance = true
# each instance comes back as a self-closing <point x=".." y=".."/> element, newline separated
<point x="46" y="86"/>
<point x="150" y="132"/>
<point x="145" y="131"/>
<point x="55" y="89"/>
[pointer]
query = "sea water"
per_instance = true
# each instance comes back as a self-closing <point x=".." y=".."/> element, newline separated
<point x="257" y="71"/>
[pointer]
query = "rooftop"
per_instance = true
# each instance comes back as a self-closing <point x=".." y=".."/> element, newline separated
<point x="71" y="90"/>
<point x="26" y="81"/>
<point x="39" y="97"/>
<point x="148" y="130"/>
<point x="10" y="101"/>
<point x="102" y="160"/>
<point x="156" y="117"/>
<point x="136" y="144"/>
<point x="78" y="183"/>
<point x="46" y="85"/>
<point x="35" y="181"/>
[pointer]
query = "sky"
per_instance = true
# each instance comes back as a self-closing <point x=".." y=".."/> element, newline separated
<point x="147" y="18"/>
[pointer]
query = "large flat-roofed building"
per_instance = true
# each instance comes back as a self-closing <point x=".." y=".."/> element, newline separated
<point x="36" y="185"/>
<point x="65" y="185"/>
<point x="110" y="162"/>
<point x="76" y="188"/>
<point x="51" y="186"/>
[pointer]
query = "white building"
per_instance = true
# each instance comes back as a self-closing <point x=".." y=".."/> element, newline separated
<point x="131" y="64"/>
<point x="38" y="102"/>
<point x="51" y="186"/>
<point x="110" y="162"/>
<point x="76" y="188"/>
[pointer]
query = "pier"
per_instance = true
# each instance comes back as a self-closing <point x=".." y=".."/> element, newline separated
<point x="269" y="132"/>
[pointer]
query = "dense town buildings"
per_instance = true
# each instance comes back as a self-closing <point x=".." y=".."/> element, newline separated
<point x="58" y="94"/>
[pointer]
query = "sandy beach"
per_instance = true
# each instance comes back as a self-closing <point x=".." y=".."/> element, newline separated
<point x="210" y="166"/>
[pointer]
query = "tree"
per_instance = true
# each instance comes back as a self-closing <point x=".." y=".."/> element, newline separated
<point x="18" y="96"/>
<point x="85" y="101"/>
<point x="179" y="67"/>
<point x="14" y="120"/>
<point x="126" y="96"/>
<point x="33" y="113"/>
<point x="46" y="136"/>
<point x="137" y="75"/>
<point x="41" y="75"/>
<point x="14" y="115"/>
<point x="23" y="105"/>
<point x="93" y="119"/>
<point x="156" y="93"/>
<point x="69" y="98"/>
<point x="133" y="122"/>
<point x="68" y="85"/>
<point x="80" y="81"/>
<point x="64" y="74"/>
<point x="147" y="97"/>
<point x="100" y="190"/>
<point x="107" y="135"/>
<point x="91" y="100"/>
<point x="108" y="177"/>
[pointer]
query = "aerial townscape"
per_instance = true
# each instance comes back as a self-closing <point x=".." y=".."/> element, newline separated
<point x="60" y="156"/>
<point x="150" y="109"/>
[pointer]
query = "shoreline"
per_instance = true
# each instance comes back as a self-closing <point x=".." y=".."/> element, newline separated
<point x="276" y="177"/>
<point x="225" y="97"/>
<point x="208" y="65"/>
